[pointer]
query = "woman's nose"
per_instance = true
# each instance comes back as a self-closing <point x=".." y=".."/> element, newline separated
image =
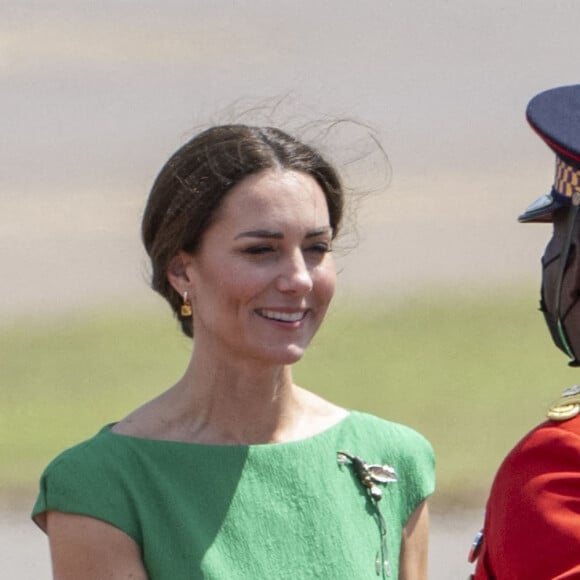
<point x="295" y="276"/>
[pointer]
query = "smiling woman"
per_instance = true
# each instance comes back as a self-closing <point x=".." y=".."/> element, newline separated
<point x="263" y="276"/>
<point x="235" y="471"/>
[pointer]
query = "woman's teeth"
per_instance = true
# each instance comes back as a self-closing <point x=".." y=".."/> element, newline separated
<point x="282" y="316"/>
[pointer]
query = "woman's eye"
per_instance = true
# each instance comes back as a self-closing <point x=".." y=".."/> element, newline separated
<point x="321" y="248"/>
<point x="264" y="249"/>
<point x="257" y="250"/>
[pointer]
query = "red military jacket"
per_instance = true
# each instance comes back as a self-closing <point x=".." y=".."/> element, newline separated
<point x="532" y="520"/>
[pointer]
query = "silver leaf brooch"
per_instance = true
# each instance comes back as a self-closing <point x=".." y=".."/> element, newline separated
<point x="370" y="476"/>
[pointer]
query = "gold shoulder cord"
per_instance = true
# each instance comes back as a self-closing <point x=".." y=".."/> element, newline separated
<point x="567" y="406"/>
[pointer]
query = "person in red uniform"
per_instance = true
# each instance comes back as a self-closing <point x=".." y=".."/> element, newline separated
<point x="532" y="520"/>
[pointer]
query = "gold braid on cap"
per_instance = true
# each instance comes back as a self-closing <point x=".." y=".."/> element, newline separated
<point x="567" y="179"/>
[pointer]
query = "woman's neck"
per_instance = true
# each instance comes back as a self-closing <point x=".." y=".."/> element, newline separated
<point x="224" y="404"/>
<point x="237" y="405"/>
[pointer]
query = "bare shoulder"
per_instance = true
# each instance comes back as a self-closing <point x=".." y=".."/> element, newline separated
<point x="88" y="548"/>
<point x="147" y="421"/>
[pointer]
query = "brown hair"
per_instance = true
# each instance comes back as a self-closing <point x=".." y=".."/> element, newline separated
<point x="193" y="183"/>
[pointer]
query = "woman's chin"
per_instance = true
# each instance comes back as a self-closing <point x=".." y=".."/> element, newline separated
<point x="285" y="356"/>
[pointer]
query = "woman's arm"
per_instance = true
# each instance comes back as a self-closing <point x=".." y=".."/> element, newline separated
<point x="87" y="548"/>
<point x="414" y="546"/>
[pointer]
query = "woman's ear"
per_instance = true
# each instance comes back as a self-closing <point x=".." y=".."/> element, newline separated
<point x="179" y="272"/>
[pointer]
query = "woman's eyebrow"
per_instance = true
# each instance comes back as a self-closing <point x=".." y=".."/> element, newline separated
<point x="279" y="235"/>
<point x="260" y="234"/>
<point x="319" y="232"/>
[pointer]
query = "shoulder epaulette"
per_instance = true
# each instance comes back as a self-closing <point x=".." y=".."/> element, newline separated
<point x="567" y="406"/>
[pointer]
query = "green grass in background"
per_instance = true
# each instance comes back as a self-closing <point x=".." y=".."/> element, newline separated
<point x="472" y="372"/>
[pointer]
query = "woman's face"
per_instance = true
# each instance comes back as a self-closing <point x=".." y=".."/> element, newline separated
<point x="263" y="276"/>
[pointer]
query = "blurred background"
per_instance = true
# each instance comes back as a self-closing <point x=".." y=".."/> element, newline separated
<point x="436" y="321"/>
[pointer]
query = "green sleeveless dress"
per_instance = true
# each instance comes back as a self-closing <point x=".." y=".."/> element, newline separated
<point x="284" y="510"/>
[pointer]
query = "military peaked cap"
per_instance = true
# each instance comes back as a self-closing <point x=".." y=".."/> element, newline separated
<point x="555" y="116"/>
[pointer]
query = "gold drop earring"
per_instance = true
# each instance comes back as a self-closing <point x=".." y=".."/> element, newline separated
<point x="185" y="309"/>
